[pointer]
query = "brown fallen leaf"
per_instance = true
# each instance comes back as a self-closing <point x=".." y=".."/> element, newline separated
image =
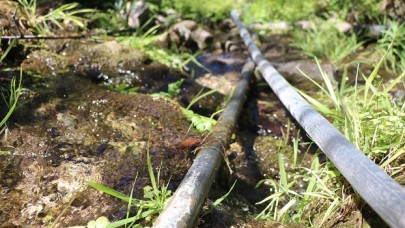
<point x="188" y="142"/>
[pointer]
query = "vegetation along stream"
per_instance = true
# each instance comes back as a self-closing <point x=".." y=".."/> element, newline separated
<point x="105" y="105"/>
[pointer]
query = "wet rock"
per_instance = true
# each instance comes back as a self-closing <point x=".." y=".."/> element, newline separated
<point x="343" y="26"/>
<point x="179" y="36"/>
<point x="274" y="26"/>
<point x="294" y="71"/>
<point x="44" y="63"/>
<point x="202" y="37"/>
<point x="185" y="33"/>
<point x="110" y="63"/>
<point x="10" y="171"/>
<point x="102" y="59"/>
<point x="223" y="83"/>
<point x="100" y="136"/>
<point x="188" y="24"/>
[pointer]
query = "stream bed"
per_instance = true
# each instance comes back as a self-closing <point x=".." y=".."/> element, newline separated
<point x="71" y="126"/>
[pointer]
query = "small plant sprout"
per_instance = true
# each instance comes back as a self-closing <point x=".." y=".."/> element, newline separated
<point x="201" y="123"/>
<point x="219" y="200"/>
<point x="172" y="90"/>
<point x="123" y="88"/>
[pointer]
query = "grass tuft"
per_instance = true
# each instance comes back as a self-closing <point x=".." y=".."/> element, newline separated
<point x="323" y="40"/>
<point x="59" y="17"/>
<point x="155" y="197"/>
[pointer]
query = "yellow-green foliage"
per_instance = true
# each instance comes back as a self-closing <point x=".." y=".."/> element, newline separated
<point x="290" y="10"/>
<point x="367" y="115"/>
<point x="323" y="40"/>
<point x="361" y="11"/>
<point x="199" y="9"/>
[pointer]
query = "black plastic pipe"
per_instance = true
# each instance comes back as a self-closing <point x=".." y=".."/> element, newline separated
<point x="184" y="206"/>
<point x="379" y="190"/>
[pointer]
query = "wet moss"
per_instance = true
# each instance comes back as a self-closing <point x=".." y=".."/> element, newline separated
<point x="10" y="171"/>
<point x="91" y="134"/>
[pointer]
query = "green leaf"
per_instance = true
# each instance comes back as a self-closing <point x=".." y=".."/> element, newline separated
<point x="109" y="191"/>
<point x="174" y="88"/>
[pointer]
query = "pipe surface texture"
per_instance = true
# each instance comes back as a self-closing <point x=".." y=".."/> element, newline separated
<point x="183" y="207"/>
<point x="379" y="190"/>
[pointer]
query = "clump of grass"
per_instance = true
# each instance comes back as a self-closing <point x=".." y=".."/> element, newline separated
<point x="218" y="201"/>
<point x="14" y="91"/>
<point x="289" y="10"/>
<point x="360" y="11"/>
<point x="372" y="120"/>
<point x="392" y="45"/>
<point x="326" y="42"/>
<point x="199" y="122"/>
<point x="155" y="198"/>
<point x="367" y="115"/>
<point x="375" y="123"/>
<point x="59" y="17"/>
<point x="172" y="90"/>
<point x="199" y="10"/>
<point x="171" y="58"/>
<point x="299" y="192"/>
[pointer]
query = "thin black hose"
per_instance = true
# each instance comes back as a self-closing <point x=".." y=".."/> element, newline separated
<point x="183" y="207"/>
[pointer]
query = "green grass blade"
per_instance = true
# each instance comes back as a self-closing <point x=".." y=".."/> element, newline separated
<point x="219" y="200"/>
<point x="151" y="174"/>
<point x="393" y="83"/>
<point x="372" y="76"/>
<point x="393" y="157"/>
<point x="109" y="191"/>
<point x="283" y="174"/>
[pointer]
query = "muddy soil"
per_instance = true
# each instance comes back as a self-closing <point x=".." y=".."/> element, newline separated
<point x="91" y="134"/>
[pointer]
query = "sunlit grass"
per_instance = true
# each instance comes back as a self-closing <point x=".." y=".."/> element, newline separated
<point x="369" y="117"/>
<point x="171" y="58"/>
<point x="199" y="122"/>
<point x="200" y="10"/>
<point x="325" y="41"/>
<point x="392" y="45"/>
<point x="288" y="10"/>
<point x="299" y="192"/>
<point x="66" y="13"/>
<point x="366" y="114"/>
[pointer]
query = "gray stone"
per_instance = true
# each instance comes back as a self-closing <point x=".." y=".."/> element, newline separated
<point x="138" y="14"/>
<point x="294" y="72"/>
